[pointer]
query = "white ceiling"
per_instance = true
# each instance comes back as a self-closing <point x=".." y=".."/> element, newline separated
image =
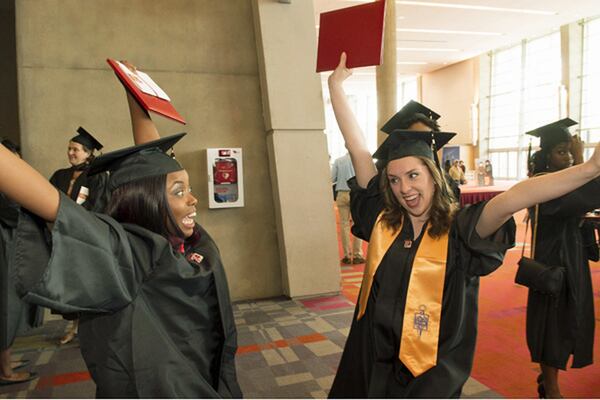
<point x="499" y="23"/>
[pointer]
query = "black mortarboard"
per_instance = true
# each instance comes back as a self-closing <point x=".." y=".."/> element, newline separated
<point x="137" y="162"/>
<point x="552" y="134"/>
<point x="403" y="143"/>
<point x="400" y="119"/>
<point x="85" y="138"/>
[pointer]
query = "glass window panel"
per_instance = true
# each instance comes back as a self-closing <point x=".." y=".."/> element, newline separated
<point x="363" y="102"/>
<point x="524" y="95"/>
<point x="590" y="95"/>
<point x="512" y="164"/>
<point x="407" y="90"/>
<point x="542" y="81"/>
<point x="523" y="163"/>
<point x="494" y="159"/>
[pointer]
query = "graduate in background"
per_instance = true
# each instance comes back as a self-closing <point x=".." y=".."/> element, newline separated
<point x="489" y="173"/>
<point x="415" y="116"/>
<point x="83" y="189"/>
<point x="147" y="280"/>
<point x="74" y="181"/>
<point x="561" y="326"/>
<point x="414" y="329"/>
<point x="16" y="316"/>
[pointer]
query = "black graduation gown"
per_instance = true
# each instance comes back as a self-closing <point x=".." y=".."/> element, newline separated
<point x="370" y="366"/>
<point x="96" y="184"/>
<point x="559" y="327"/>
<point x="16" y="316"/>
<point x="153" y="323"/>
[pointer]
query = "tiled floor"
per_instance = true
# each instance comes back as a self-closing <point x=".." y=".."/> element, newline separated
<point x="287" y="349"/>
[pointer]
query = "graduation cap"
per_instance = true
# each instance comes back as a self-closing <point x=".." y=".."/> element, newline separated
<point x="86" y="139"/>
<point x="400" y="119"/>
<point x="552" y="134"/>
<point x="137" y="162"/>
<point x="403" y="143"/>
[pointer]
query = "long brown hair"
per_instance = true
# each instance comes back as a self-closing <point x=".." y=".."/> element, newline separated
<point x="443" y="205"/>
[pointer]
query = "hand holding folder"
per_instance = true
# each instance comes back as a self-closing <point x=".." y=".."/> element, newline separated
<point x="341" y="72"/>
<point x="146" y="92"/>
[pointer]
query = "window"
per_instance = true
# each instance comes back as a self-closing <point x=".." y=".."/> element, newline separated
<point x="363" y="102"/>
<point x="590" y="86"/>
<point x="542" y="82"/>
<point x="362" y="97"/>
<point x="407" y="90"/>
<point x="524" y="94"/>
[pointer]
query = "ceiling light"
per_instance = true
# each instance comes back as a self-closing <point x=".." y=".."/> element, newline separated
<point x="474" y="7"/>
<point x="436" y="49"/>
<point x="446" y="31"/>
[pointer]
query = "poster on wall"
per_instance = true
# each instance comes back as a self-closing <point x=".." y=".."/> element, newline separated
<point x="450" y="153"/>
<point x="225" y="177"/>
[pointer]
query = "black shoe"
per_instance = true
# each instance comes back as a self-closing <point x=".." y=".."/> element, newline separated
<point x="541" y="390"/>
<point x="346" y="260"/>
<point x="358" y="260"/>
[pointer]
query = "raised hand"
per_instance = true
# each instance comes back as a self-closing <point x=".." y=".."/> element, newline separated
<point x="341" y="72"/>
<point x="577" y="149"/>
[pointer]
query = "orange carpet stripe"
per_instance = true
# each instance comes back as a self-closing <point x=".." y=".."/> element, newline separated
<point x="63" y="379"/>
<point x="315" y="337"/>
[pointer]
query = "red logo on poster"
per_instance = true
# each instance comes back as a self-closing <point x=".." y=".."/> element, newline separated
<point x="225" y="171"/>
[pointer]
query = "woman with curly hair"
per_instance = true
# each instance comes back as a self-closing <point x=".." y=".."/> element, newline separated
<point x="414" y="329"/>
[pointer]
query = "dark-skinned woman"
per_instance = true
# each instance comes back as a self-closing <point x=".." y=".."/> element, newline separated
<point x="561" y="326"/>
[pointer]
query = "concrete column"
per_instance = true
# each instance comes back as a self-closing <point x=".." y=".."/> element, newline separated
<point x="386" y="73"/>
<point x="294" y="121"/>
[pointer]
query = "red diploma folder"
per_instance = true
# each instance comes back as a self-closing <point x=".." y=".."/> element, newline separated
<point x="150" y="96"/>
<point x="357" y="30"/>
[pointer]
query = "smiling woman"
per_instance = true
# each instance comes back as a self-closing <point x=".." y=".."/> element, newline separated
<point x="415" y="325"/>
<point x="146" y="279"/>
<point x="181" y="202"/>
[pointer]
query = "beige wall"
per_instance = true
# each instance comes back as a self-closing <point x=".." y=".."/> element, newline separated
<point x="451" y="91"/>
<point x="204" y="54"/>
<point x="9" y="115"/>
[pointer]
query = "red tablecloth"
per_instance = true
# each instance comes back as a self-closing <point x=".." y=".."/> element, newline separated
<point x="474" y="197"/>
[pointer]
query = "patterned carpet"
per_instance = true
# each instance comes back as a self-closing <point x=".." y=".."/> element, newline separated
<point x="287" y="349"/>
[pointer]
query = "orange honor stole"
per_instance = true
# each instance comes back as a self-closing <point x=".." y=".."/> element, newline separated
<point x="423" y="309"/>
